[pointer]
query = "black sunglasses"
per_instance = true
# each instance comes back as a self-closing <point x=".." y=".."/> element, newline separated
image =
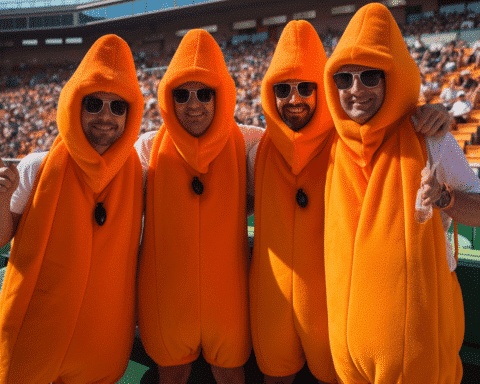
<point x="369" y="78"/>
<point x="304" y="89"/>
<point x="94" y="105"/>
<point x="204" y="95"/>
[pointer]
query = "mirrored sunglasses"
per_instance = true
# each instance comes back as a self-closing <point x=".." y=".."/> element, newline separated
<point x="304" y="89"/>
<point x="369" y="78"/>
<point x="204" y="95"/>
<point x="94" y="105"/>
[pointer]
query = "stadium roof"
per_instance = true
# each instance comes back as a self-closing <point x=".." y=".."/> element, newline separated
<point x="145" y="5"/>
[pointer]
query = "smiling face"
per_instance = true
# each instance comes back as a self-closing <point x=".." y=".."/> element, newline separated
<point x="360" y="102"/>
<point x="195" y="116"/>
<point x="296" y="110"/>
<point x="104" y="128"/>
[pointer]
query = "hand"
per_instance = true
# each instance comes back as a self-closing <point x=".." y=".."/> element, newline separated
<point x="431" y="188"/>
<point x="432" y="120"/>
<point x="9" y="179"/>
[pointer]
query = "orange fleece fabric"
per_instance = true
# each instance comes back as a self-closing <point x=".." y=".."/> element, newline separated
<point x="193" y="266"/>
<point x="68" y="300"/>
<point x="287" y="279"/>
<point x="395" y="311"/>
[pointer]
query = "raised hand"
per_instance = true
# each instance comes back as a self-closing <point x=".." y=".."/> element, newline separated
<point x="9" y="179"/>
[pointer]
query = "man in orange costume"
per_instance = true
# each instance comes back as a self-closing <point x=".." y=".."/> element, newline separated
<point x="287" y="285"/>
<point x="193" y="266"/>
<point x="67" y="306"/>
<point x="395" y="308"/>
<point x="287" y="288"/>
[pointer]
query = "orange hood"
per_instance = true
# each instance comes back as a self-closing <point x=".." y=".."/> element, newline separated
<point x="299" y="55"/>
<point x="372" y="38"/>
<point x="108" y="66"/>
<point x="199" y="58"/>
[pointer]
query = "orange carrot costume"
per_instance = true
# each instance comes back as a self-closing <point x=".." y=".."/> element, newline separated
<point x="287" y="280"/>
<point x="67" y="304"/>
<point x="395" y="311"/>
<point x="193" y="265"/>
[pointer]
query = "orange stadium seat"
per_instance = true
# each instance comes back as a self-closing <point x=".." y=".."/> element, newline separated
<point x="471" y="128"/>
<point x="462" y="136"/>
<point x="475" y="114"/>
<point x="472" y="150"/>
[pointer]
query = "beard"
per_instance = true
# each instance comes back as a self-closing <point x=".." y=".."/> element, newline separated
<point x="296" y="121"/>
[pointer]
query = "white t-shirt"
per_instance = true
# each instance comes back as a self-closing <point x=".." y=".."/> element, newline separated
<point x="453" y="170"/>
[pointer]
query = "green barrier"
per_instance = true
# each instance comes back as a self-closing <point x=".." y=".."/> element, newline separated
<point x="4" y="251"/>
<point x="472" y="234"/>
<point x="468" y="273"/>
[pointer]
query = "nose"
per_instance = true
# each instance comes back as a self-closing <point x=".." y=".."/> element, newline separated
<point x="294" y="98"/>
<point x="357" y="85"/>
<point x="105" y="112"/>
<point x="193" y="101"/>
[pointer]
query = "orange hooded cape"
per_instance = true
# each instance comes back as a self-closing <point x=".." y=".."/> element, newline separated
<point x="67" y="302"/>
<point x="193" y="265"/>
<point x="395" y="311"/>
<point x="287" y="285"/>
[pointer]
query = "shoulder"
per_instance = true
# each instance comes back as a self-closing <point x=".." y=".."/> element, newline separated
<point x="144" y="144"/>
<point x="145" y="140"/>
<point x="28" y="169"/>
<point x="31" y="163"/>
<point x="251" y="135"/>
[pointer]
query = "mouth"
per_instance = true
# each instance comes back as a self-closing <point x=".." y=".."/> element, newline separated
<point x="362" y="103"/>
<point x="299" y="109"/>
<point x="295" y="110"/>
<point x="103" y="126"/>
<point x="195" y="115"/>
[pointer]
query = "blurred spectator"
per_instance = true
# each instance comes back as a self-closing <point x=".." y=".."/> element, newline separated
<point x="449" y="94"/>
<point x="466" y="82"/>
<point x="430" y="88"/>
<point x="461" y="108"/>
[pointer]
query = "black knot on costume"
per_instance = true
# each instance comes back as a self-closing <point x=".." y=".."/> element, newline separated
<point x="100" y="214"/>
<point x="197" y="186"/>
<point x="302" y="198"/>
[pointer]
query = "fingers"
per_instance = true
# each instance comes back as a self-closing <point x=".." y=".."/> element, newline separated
<point x="422" y="116"/>
<point x="431" y="189"/>
<point x="432" y="119"/>
<point x="446" y="127"/>
<point x="9" y="179"/>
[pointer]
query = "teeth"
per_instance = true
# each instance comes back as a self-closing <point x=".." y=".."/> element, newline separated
<point x="295" y="110"/>
<point x="103" y="127"/>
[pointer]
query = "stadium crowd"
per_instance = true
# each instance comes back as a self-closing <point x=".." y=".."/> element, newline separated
<point x="28" y="98"/>
<point x="441" y="22"/>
